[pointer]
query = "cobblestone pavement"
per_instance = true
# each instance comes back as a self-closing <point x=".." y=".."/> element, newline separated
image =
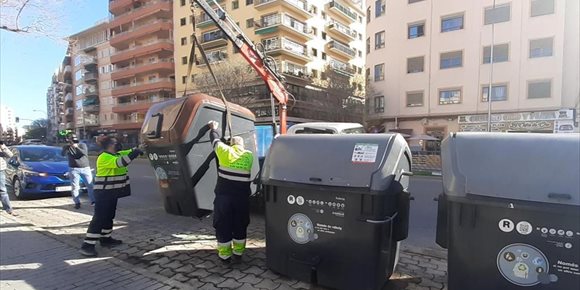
<point x="179" y="251"/>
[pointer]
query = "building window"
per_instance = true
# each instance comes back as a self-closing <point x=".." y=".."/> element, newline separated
<point x="182" y="3"/>
<point x="368" y="75"/>
<point x="415" y="99"/>
<point x="249" y="2"/>
<point x="414" y="1"/>
<point x="314" y="52"/>
<point x="183" y="21"/>
<point x="360" y="36"/>
<point x="498" y="92"/>
<point x="542" y="7"/>
<point x="250" y="23"/>
<point x="415" y="64"/>
<point x="379" y="8"/>
<point x="314" y="73"/>
<point x="451" y="59"/>
<point x="314" y="31"/>
<point x="359" y="53"/>
<point x="369" y="14"/>
<point x="379" y="72"/>
<point x="541" y="47"/>
<point x="451" y="23"/>
<point x="379" y="104"/>
<point x="324" y="35"/>
<point x="500" y="53"/>
<point x="449" y="96"/>
<point x="235" y="4"/>
<point x="323" y="14"/>
<point x="368" y="45"/>
<point x="314" y="10"/>
<point x="184" y="60"/>
<point x="379" y="40"/>
<point x="540" y="89"/>
<point x="501" y="13"/>
<point x="184" y="79"/>
<point x="324" y="56"/>
<point x="184" y="41"/>
<point x="416" y="30"/>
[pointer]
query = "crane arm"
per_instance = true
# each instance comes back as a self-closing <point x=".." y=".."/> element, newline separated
<point x="252" y="55"/>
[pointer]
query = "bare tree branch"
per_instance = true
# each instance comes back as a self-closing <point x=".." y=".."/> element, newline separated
<point x="32" y="17"/>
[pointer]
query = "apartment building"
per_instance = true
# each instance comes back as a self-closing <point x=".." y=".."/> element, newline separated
<point x="90" y="98"/>
<point x="303" y="37"/>
<point x="59" y="99"/>
<point x="428" y="65"/>
<point x="141" y="35"/>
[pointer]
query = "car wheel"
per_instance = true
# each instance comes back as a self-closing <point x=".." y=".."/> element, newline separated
<point x="17" y="189"/>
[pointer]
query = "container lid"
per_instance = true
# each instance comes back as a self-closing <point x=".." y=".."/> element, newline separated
<point x="369" y="161"/>
<point x="528" y="167"/>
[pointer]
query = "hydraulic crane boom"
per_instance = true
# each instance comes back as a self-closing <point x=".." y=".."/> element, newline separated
<point x="255" y="57"/>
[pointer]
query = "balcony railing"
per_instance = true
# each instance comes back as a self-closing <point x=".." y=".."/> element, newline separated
<point x="277" y="19"/>
<point x="212" y="35"/>
<point x="341" y="67"/>
<point x="136" y="84"/>
<point x="135" y="47"/>
<point x="90" y="76"/>
<point x="212" y="57"/>
<point x="285" y="44"/>
<point x="142" y="102"/>
<point x="203" y="19"/>
<point x="342" y="29"/>
<point x="131" y="121"/>
<point x="343" y="9"/>
<point x="162" y="60"/>
<point x="333" y="44"/>
<point x="135" y="10"/>
<point x="136" y="27"/>
<point x="68" y="98"/>
<point x="300" y="4"/>
<point x="295" y="70"/>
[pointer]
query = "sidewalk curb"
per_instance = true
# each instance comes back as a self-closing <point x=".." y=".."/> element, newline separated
<point x="113" y="260"/>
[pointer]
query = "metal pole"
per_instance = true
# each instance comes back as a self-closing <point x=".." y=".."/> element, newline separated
<point x="489" y="88"/>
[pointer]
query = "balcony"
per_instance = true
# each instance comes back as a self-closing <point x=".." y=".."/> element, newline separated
<point x="68" y="98"/>
<point x="143" y="49"/>
<point x="159" y="65"/>
<point x="138" y="106"/>
<point x="67" y="70"/>
<point x="341" y="67"/>
<point x="90" y="77"/>
<point x="300" y="7"/>
<point x="91" y="108"/>
<point x="91" y="120"/>
<point x="295" y="71"/>
<point x="160" y="6"/>
<point x="142" y="87"/>
<point x="214" y="38"/>
<point x="213" y="57"/>
<point x="341" y="49"/>
<point x="273" y="23"/>
<point x="343" y="11"/>
<point x="89" y="61"/>
<point x="90" y="91"/>
<point x="129" y="124"/>
<point x="203" y="20"/>
<point x="341" y="30"/>
<point x="281" y="45"/>
<point x="141" y="30"/>
<point x="118" y="6"/>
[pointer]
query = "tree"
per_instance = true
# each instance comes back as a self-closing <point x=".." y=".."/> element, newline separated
<point x="30" y="16"/>
<point x="37" y="130"/>
<point x="344" y="100"/>
<point x="235" y="79"/>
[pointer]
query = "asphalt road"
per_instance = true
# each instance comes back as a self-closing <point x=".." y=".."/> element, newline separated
<point x="423" y="209"/>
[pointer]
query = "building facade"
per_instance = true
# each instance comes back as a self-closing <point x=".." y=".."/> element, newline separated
<point x="87" y="47"/>
<point x="428" y="65"/>
<point x="60" y="100"/>
<point x="141" y="35"/>
<point x="304" y="38"/>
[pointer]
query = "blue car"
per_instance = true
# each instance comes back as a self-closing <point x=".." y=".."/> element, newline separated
<point x="38" y="170"/>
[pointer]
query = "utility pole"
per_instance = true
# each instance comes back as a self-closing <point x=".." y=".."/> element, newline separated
<point x="490" y="87"/>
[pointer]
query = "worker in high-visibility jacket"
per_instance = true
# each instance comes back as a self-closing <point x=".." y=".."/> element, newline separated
<point x="231" y="205"/>
<point x="111" y="183"/>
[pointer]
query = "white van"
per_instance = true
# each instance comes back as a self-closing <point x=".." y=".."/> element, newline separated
<point x="326" y="128"/>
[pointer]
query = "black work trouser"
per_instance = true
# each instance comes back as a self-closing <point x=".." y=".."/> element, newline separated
<point x="101" y="225"/>
<point x="231" y="217"/>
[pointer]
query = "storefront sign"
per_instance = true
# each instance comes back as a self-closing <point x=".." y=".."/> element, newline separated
<point x="561" y="121"/>
<point x="522" y="116"/>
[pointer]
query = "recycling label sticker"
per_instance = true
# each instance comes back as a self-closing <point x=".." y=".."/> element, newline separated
<point x="365" y="153"/>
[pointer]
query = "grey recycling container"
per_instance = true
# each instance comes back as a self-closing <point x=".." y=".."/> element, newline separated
<point x="336" y="207"/>
<point x="178" y="147"/>
<point x="510" y="212"/>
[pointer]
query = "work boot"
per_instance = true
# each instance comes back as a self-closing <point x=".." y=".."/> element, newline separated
<point x="110" y="242"/>
<point x="88" y="250"/>
<point x="77" y="205"/>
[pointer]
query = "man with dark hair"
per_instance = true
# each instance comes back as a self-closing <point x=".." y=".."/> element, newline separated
<point x="4" y="153"/>
<point x="111" y="183"/>
<point x="78" y="162"/>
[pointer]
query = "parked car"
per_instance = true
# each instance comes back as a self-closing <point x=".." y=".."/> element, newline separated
<point x="38" y="170"/>
<point x="32" y="142"/>
<point x="326" y="128"/>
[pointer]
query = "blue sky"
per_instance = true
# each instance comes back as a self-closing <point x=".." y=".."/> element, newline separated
<point x="28" y="62"/>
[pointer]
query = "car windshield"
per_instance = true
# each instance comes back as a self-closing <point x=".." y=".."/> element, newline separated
<point x="41" y="154"/>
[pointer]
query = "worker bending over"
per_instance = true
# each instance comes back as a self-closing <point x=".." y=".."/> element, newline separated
<point x="231" y="205"/>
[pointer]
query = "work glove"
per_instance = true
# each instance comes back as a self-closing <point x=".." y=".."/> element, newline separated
<point x="134" y="153"/>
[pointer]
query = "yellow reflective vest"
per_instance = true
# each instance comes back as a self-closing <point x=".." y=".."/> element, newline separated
<point x="112" y="173"/>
